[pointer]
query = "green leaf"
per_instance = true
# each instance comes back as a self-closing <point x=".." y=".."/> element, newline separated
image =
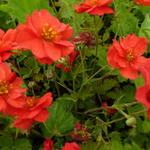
<point x="66" y="8"/>
<point x="145" y="126"/>
<point x="22" y="144"/>
<point x="145" y="27"/>
<point x="124" y="21"/>
<point x="90" y="146"/>
<point x="20" y="9"/>
<point x="116" y="141"/>
<point x="105" y="85"/>
<point x="60" y="121"/>
<point x="102" y="56"/>
<point x="139" y="81"/>
<point x="6" y="140"/>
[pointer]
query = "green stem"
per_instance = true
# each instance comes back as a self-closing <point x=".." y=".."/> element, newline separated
<point x="122" y="118"/>
<point x="53" y="5"/>
<point x="96" y="37"/>
<point x="92" y="77"/>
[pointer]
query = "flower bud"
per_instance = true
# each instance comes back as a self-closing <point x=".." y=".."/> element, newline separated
<point x="131" y="121"/>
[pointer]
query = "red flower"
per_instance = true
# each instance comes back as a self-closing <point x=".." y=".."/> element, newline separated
<point x="7" y="43"/>
<point x="48" y="144"/>
<point x="34" y="110"/>
<point x="148" y="114"/>
<point x="143" y="2"/>
<point x="126" y="55"/>
<point x="46" y="37"/>
<point x="143" y="95"/>
<point x="143" y="92"/>
<point x="11" y="92"/>
<point x="66" y="63"/>
<point x="71" y="146"/>
<point x="95" y="7"/>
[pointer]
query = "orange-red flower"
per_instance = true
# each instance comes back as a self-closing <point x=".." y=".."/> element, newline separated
<point x="143" y="95"/>
<point x="11" y="92"/>
<point x="95" y="7"/>
<point x="71" y="146"/>
<point x="126" y="55"/>
<point x="34" y="110"/>
<point x="7" y="43"/>
<point x="143" y="2"/>
<point x="48" y="144"/>
<point x="45" y="36"/>
<point x="143" y="92"/>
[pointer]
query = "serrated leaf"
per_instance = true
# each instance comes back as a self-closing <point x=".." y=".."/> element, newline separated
<point x="60" y="121"/>
<point x="124" y="21"/>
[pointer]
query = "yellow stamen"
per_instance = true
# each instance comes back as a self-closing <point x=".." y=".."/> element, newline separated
<point x="30" y="102"/>
<point x="48" y="33"/>
<point x="3" y="87"/>
<point x="130" y="56"/>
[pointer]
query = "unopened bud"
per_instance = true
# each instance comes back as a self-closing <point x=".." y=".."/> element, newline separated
<point x="131" y="121"/>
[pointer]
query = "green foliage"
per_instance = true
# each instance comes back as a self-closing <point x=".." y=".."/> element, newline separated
<point x="139" y="81"/>
<point x="124" y="21"/>
<point x="7" y="142"/>
<point x="60" y="121"/>
<point x="20" y="9"/>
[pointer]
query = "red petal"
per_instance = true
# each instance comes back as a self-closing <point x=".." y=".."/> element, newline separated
<point x="42" y="116"/>
<point x="141" y="95"/>
<point x="129" y="72"/>
<point x="100" y="11"/>
<point x="23" y="124"/>
<point x="2" y="104"/>
<point x="53" y="51"/>
<point x="140" y="46"/>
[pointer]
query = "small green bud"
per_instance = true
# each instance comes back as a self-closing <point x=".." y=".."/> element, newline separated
<point x="131" y="121"/>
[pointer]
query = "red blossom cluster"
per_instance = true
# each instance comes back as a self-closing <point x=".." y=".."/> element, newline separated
<point x="48" y="40"/>
<point x="126" y="56"/>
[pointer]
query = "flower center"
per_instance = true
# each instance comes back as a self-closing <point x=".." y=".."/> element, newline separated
<point x="93" y="2"/>
<point x="3" y="87"/>
<point x="130" y="56"/>
<point x="30" y="102"/>
<point x="48" y="33"/>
